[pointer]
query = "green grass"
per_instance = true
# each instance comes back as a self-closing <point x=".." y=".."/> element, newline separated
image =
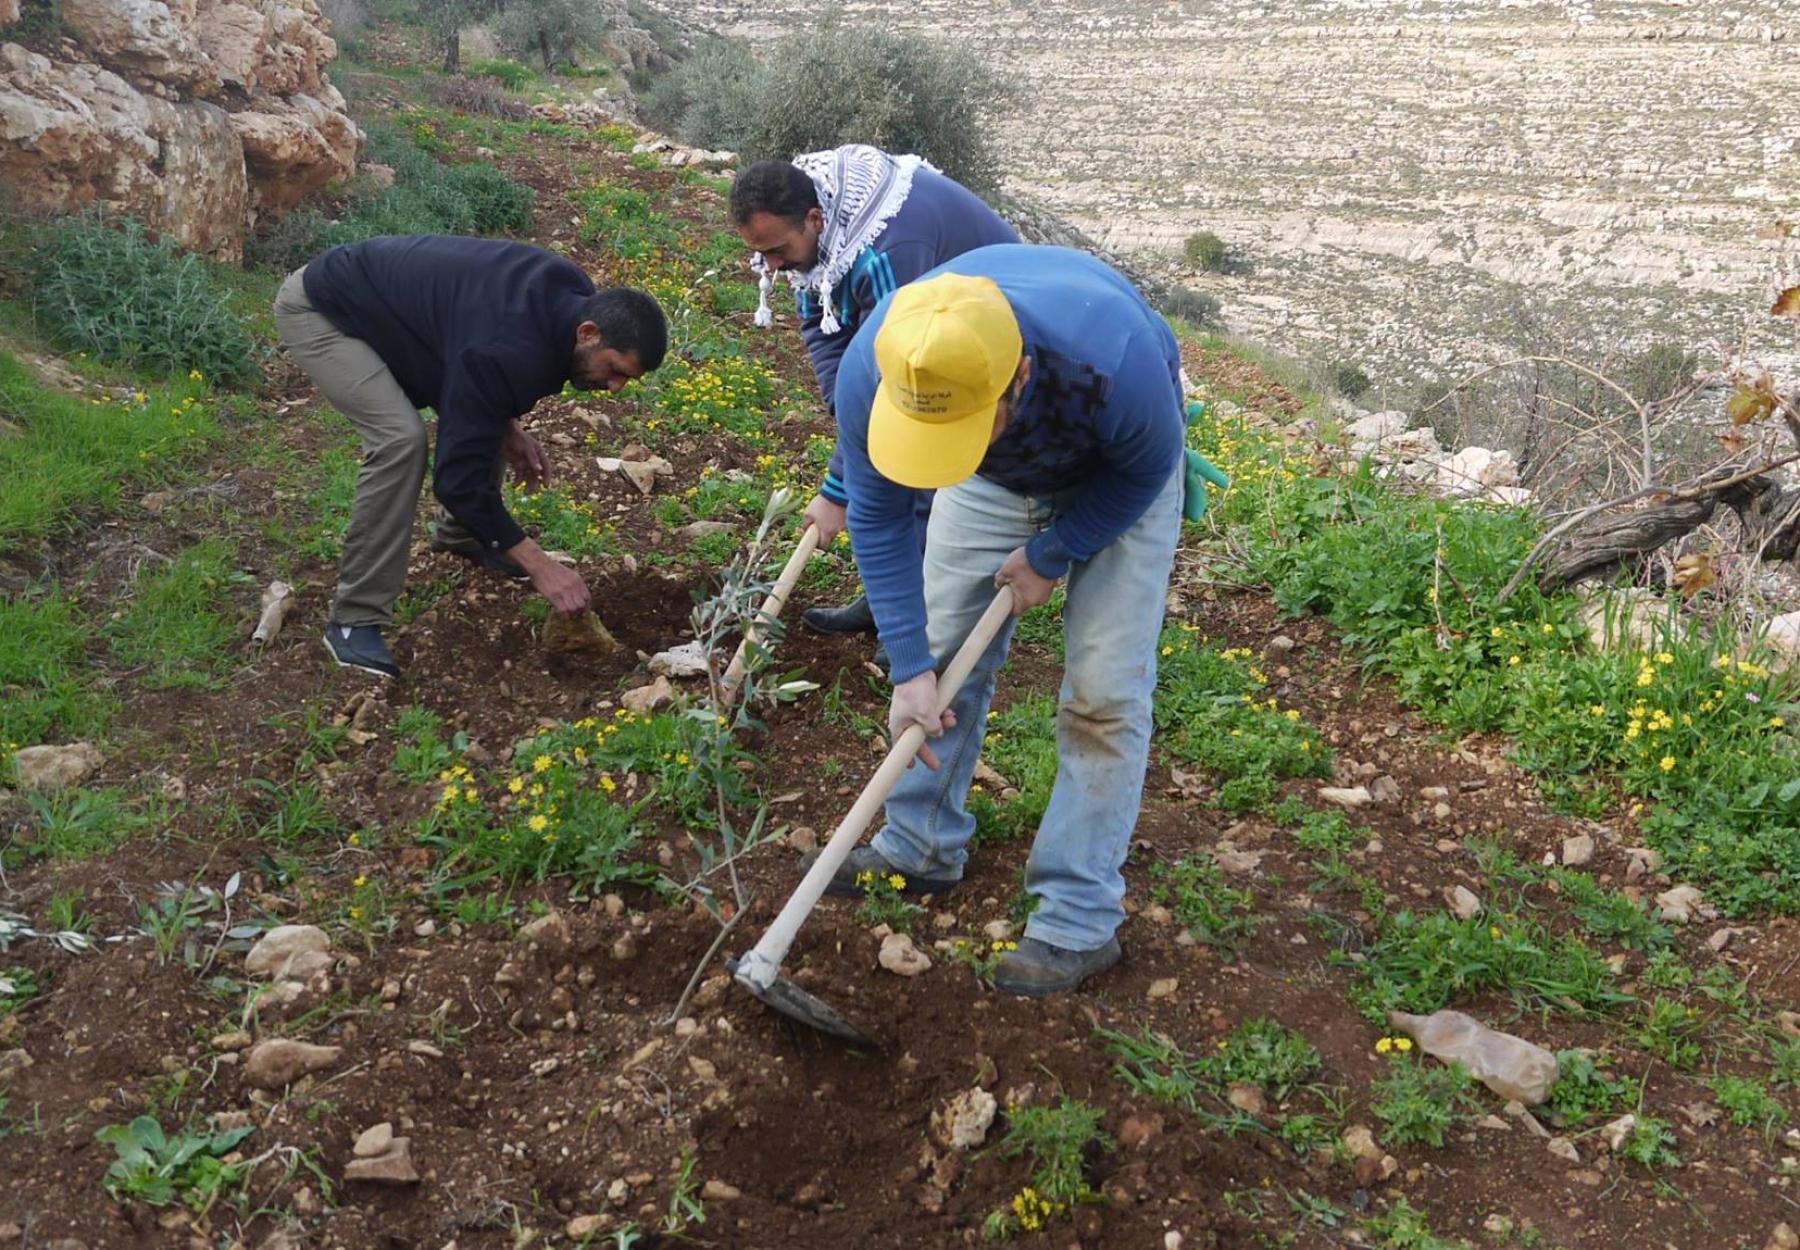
<point x="67" y="453"/>
<point x="44" y="694"/>
<point x="1020" y="745"/>
<point x="171" y="629"/>
<point x="1195" y="890"/>
<point x="79" y="824"/>
<point x="334" y="475"/>
<point x="1413" y="585"/>
<point x="1422" y="963"/>
<point x="1211" y="712"/>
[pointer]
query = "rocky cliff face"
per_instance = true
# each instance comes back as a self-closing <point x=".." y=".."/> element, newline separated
<point x="195" y="115"/>
<point x="1395" y="173"/>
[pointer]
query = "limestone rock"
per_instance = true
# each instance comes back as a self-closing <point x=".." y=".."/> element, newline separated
<point x="1782" y="1237"/>
<point x="142" y="39"/>
<point x="377" y="1139"/>
<point x="687" y="660"/>
<point x="1474" y="470"/>
<point x="1462" y="901"/>
<point x="53" y="767"/>
<point x="9" y="12"/>
<point x="900" y="957"/>
<point x="720" y="1191"/>
<point x="1679" y="905"/>
<point x="647" y="699"/>
<point x="1615" y="1132"/>
<point x="275" y="950"/>
<point x="1577" y="851"/>
<point x="963" y="1122"/>
<point x="703" y="529"/>
<point x="549" y="932"/>
<point x="577" y="635"/>
<point x="1351" y="797"/>
<point x="292" y="148"/>
<point x="1783" y="639"/>
<point x="394" y="1166"/>
<point x="280" y="1061"/>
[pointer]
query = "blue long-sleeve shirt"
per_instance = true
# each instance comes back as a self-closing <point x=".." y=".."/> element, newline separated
<point x="479" y="329"/>
<point x="940" y="219"/>
<point x="1098" y="426"/>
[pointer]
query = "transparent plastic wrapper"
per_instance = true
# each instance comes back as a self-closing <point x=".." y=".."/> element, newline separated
<point x="1510" y="1066"/>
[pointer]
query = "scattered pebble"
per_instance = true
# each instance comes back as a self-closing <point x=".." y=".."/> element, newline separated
<point x="1577" y="851"/>
<point x="280" y="1061"/>
<point x="1163" y="987"/>
<point x="1563" y="1148"/>
<point x="962" y="1123"/>
<point x="1351" y="797"/>
<point x="719" y="1191"/>
<point x="1463" y="903"/>
<point x="375" y="1140"/>
<point x="394" y="1166"/>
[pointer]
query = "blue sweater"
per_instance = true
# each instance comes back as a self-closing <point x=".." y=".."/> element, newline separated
<point x="479" y="329"/>
<point x="1099" y="426"/>
<point x="940" y="219"/>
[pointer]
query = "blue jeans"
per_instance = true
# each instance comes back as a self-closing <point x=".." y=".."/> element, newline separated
<point x="1112" y="617"/>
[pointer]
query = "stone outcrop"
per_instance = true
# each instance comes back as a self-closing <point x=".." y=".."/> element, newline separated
<point x="1388" y="183"/>
<point x="197" y="116"/>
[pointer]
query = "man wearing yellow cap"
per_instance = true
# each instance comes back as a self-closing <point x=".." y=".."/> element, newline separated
<point x="1039" y="395"/>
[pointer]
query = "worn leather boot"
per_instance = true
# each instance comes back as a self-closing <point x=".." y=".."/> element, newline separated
<point x="854" y="617"/>
<point x="1038" y="968"/>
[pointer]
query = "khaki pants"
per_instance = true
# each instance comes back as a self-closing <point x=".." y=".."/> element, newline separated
<point x="394" y="446"/>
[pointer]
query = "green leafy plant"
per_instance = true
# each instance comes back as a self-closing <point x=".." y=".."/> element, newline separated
<point x="1749" y="1104"/>
<point x="1585" y="1089"/>
<point x="102" y="285"/>
<point x="1058" y="1140"/>
<point x="884" y="904"/>
<point x="1666" y="1029"/>
<point x="1651" y="1142"/>
<point x="1419" y="1101"/>
<point x="421" y="754"/>
<point x="157" y="1168"/>
<point x="1194" y="890"/>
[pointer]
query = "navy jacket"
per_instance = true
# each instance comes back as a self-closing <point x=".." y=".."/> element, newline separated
<point x="478" y="329"/>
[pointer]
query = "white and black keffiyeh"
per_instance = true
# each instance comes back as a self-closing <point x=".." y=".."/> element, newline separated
<point x="860" y="188"/>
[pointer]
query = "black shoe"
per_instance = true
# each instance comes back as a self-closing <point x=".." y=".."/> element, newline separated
<point x="854" y="617"/>
<point x="866" y="859"/>
<point x="1038" y="968"/>
<point x="880" y="659"/>
<point x="360" y="646"/>
<point x="481" y="557"/>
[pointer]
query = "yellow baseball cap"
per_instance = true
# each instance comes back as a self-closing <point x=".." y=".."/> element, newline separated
<point x="946" y="354"/>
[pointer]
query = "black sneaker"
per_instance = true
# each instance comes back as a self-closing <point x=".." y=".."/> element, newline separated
<point x="855" y="617"/>
<point x="866" y="859"/>
<point x="482" y="557"/>
<point x="360" y="646"/>
<point x="1038" y="968"/>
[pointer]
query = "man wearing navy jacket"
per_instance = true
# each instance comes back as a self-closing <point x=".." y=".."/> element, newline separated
<point x="480" y="330"/>
<point x="848" y="226"/>
<point x="1040" y="396"/>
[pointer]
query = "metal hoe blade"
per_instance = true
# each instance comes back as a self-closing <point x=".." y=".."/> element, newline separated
<point x="796" y="1004"/>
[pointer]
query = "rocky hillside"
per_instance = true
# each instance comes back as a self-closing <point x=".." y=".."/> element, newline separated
<point x="1394" y="173"/>
<point x="196" y="116"/>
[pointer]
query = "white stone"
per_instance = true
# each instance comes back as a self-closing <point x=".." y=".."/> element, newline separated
<point x="963" y="1122"/>
<point x="1679" y="904"/>
<point x="1577" y="850"/>
<point x="686" y="660"/>
<point x="901" y="957"/>
<point x="1463" y="903"/>
<point x="54" y="767"/>
<point x="275" y="951"/>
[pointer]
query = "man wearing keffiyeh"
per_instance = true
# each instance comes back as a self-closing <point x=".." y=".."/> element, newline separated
<point x="847" y="227"/>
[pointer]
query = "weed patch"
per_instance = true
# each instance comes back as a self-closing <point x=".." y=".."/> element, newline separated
<point x="70" y="452"/>
<point x="170" y="629"/>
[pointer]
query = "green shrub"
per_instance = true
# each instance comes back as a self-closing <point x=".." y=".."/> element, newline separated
<point x="511" y="74"/>
<point x="844" y="83"/>
<point x="1205" y="250"/>
<point x="712" y="99"/>
<point x="1197" y="308"/>
<point x="427" y="197"/>
<point x="1350" y="381"/>
<point x="104" y="286"/>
